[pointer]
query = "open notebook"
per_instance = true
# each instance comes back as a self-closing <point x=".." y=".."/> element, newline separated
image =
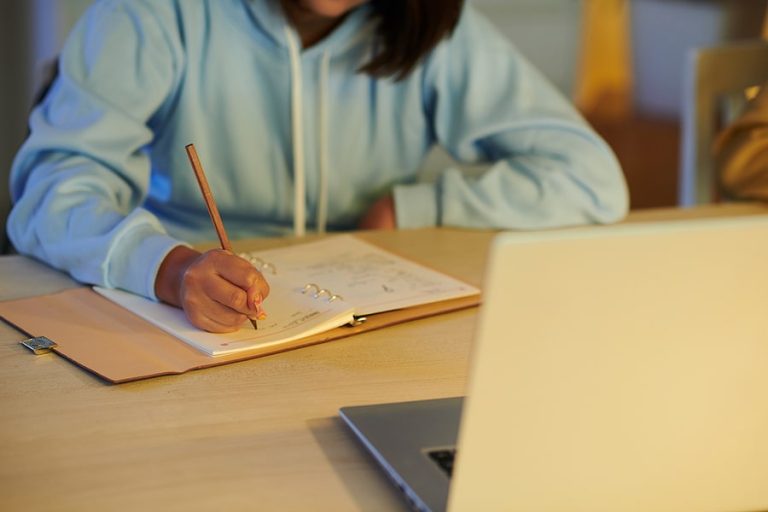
<point x="315" y="287"/>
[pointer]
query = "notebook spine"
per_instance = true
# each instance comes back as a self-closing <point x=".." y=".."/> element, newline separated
<point x="263" y="266"/>
<point x="319" y="293"/>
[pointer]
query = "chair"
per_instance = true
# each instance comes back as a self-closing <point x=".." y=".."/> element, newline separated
<point x="714" y="84"/>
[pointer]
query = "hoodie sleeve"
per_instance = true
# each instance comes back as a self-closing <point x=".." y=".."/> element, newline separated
<point x="487" y="104"/>
<point x="78" y="180"/>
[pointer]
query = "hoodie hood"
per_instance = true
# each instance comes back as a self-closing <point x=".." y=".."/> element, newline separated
<point x="357" y="24"/>
<point x="269" y="16"/>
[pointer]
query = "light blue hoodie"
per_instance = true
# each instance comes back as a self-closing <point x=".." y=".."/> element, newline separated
<point x="289" y="138"/>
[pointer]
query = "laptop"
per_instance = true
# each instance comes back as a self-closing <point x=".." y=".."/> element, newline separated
<point x="614" y="368"/>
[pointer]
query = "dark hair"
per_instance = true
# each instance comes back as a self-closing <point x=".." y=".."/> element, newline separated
<point x="407" y="31"/>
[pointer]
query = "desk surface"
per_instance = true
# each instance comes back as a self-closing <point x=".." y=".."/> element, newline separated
<point x="259" y="435"/>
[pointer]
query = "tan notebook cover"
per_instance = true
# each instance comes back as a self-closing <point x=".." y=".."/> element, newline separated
<point x="119" y="346"/>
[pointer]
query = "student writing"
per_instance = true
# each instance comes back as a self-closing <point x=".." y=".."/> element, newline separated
<point x="309" y="114"/>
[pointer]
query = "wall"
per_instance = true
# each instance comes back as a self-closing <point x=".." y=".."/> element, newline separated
<point x="31" y="33"/>
<point x="547" y="32"/>
<point x="14" y="94"/>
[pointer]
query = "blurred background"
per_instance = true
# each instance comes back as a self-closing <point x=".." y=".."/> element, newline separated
<point x="620" y="61"/>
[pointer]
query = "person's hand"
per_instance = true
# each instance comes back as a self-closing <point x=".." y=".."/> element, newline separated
<point x="217" y="290"/>
<point x="381" y="215"/>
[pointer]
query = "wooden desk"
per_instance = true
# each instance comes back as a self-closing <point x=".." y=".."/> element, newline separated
<point x="256" y="435"/>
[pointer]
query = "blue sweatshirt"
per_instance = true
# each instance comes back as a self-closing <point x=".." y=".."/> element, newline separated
<point x="290" y="138"/>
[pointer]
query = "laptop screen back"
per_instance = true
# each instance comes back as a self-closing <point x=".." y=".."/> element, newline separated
<point x="621" y="368"/>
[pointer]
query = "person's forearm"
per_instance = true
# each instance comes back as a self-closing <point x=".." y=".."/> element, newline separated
<point x="381" y="215"/>
<point x="171" y="273"/>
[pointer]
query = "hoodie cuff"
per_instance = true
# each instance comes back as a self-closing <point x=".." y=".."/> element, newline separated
<point x="416" y="205"/>
<point x="134" y="267"/>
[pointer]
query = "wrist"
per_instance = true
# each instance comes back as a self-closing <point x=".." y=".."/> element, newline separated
<point x="171" y="274"/>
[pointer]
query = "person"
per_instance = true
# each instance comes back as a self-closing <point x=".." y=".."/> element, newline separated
<point x="306" y="114"/>
<point x="741" y="152"/>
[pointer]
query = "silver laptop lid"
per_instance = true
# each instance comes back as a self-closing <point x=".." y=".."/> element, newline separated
<point x="621" y="368"/>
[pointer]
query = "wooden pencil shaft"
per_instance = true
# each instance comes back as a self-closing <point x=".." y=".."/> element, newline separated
<point x="210" y="203"/>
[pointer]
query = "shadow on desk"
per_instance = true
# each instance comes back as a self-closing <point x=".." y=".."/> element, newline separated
<point x="359" y="473"/>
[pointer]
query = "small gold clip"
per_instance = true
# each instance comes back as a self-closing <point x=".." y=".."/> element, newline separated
<point x="39" y="345"/>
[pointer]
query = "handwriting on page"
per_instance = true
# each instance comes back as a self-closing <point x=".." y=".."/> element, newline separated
<point x="370" y="278"/>
<point x="371" y="274"/>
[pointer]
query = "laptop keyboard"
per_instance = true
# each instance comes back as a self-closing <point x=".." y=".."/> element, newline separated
<point x="444" y="458"/>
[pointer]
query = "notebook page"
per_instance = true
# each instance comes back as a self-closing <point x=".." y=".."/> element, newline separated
<point x="372" y="279"/>
<point x="291" y="315"/>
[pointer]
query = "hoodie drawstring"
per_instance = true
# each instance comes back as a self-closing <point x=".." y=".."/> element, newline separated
<point x="322" y="130"/>
<point x="297" y="109"/>
<point x="299" y="209"/>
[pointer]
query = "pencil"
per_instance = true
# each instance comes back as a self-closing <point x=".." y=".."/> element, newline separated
<point x="210" y="203"/>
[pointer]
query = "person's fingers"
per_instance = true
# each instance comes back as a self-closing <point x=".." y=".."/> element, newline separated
<point x="211" y="324"/>
<point x="208" y="314"/>
<point x="255" y="302"/>
<point x="220" y="290"/>
<point x="228" y="295"/>
<point x="242" y="273"/>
